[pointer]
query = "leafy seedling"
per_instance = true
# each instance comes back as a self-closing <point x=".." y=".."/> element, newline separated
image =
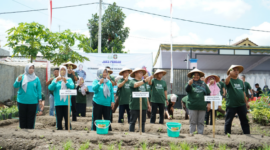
<point x="79" y="114"/>
<point x="159" y="130"/>
<point x="119" y="145"/>
<point x="50" y="147"/>
<point x="86" y="129"/>
<point x="241" y="146"/>
<point x="229" y="135"/>
<point x="171" y="116"/>
<point x="111" y="147"/>
<point x="122" y="120"/>
<point x="126" y="133"/>
<point x="195" y="132"/>
<point x="68" y="145"/>
<point x="41" y="137"/>
<point x="144" y="146"/>
<point x="184" y="146"/>
<point x="173" y="146"/>
<point x="84" y="146"/>
<point x="210" y="146"/>
<point x="100" y="145"/>
<point x="222" y="147"/>
<point x="155" y="147"/>
<point x="195" y="147"/>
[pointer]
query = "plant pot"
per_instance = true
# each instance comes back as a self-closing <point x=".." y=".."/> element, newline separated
<point x="10" y="116"/>
<point x="3" y="116"/>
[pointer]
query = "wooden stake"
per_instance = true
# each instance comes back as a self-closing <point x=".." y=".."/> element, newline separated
<point x="140" y="116"/>
<point x="68" y="113"/>
<point x="213" y="117"/>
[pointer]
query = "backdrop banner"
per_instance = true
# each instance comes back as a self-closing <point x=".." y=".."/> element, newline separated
<point x="88" y="69"/>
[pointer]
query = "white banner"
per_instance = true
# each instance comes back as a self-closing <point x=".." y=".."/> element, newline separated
<point x="140" y="94"/>
<point x="212" y="98"/>
<point x="68" y="92"/>
<point x="88" y="69"/>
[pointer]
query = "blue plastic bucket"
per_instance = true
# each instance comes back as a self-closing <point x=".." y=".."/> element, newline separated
<point x="173" y="129"/>
<point x="102" y="126"/>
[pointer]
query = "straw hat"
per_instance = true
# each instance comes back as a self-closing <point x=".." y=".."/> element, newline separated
<point x="109" y="71"/>
<point x="123" y="70"/>
<point x="241" y="68"/>
<point x="216" y="77"/>
<point x="136" y="70"/>
<point x="160" y="71"/>
<point x="195" y="70"/>
<point x="70" y="63"/>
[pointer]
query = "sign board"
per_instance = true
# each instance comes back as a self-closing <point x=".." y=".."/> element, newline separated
<point x="212" y="98"/>
<point x="68" y="92"/>
<point x="140" y="94"/>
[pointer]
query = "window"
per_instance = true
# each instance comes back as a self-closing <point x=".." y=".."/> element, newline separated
<point x="226" y="52"/>
<point x="241" y="52"/>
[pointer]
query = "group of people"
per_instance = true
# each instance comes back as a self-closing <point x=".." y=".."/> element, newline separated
<point x="104" y="99"/>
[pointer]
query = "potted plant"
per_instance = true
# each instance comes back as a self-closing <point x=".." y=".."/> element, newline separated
<point x="9" y="113"/>
<point x="4" y="114"/>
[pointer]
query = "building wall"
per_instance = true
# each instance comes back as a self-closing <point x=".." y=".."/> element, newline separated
<point x="4" y="52"/>
<point x="11" y="70"/>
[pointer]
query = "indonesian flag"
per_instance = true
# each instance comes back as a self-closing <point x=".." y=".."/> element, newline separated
<point x="171" y="11"/>
<point x="50" y="14"/>
<point x="48" y="71"/>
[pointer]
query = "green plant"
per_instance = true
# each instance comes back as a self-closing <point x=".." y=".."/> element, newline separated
<point x="41" y="137"/>
<point x="122" y="120"/>
<point x="266" y="147"/>
<point x="84" y="146"/>
<point x="241" y="146"/>
<point x="68" y="145"/>
<point x="159" y="130"/>
<point x="52" y="148"/>
<point x="154" y="146"/>
<point x="126" y="133"/>
<point x="86" y="129"/>
<point x="195" y="147"/>
<point x="120" y="145"/>
<point x="229" y="135"/>
<point x="144" y="146"/>
<point x="111" y="147"/>
<point x="184" y="146"/>
<point x="210" y="146"/>
<point x="222" y="146"/>
<point x="173" y="146"/>
<point x="195" y="132"/>
<point x="100" y="145"/>
<point x="79" y="114"/>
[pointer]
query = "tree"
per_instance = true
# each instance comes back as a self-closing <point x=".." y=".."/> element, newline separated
<point x="113" y="32"/>
<point x="26" y="39"/>
<point x="30" y="38"/>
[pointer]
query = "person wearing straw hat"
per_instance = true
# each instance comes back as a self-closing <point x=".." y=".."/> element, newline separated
<point x="124" y="94"/>
<point x="211" y="82"/>
<point x="172" y="98"/>
<point x="29" y="94"/>
<point x="247" y="87"/>
<point x="51" y="98"/>
<point x="110" y="77"/>
<point x="158" y="95"/>
<point x="196" y="90"/>
<point x="74" y="76"/>
<point x="236" y="101"/>
<point x="103" y="99"/>
<point x="138" y="85"/>
<point x="62" y="82"/>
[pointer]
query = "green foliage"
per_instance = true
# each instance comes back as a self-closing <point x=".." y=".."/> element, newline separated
<point x="222" y="146"/>
<point x="100" y="145"/>
<point x="184" y="146"/>
<point x="6" y="111"/>
<point x="173" y="146"/>
<point x="120" y="145"/>
<point x="144" y="146"/>
<point x="113" y="33"/>
<point x="229" y="135"/>
<point x="155" y="147"/>
<point x="210" y="146"/>
<point x="241" y="146"/>
<point x="195" y="132"/>
<point x="266" y="147"/>
<point x="223" y="106"/>
<point x="86" y="129"/>
<point x="84" y="146"/>
<point x="52" y="148"/>
<point x="68" y="145"/>
<point x="111" y="147"/>
<point x="260" y="109"/>
<point x="195" y="147"/>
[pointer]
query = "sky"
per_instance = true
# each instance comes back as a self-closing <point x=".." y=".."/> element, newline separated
<point x="147" y="32"/>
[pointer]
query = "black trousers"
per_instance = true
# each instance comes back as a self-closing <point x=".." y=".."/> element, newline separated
<point x="73" y="108"/>
<point x="98" y="112"/>
<point x="208" y="115"/>
<point x="134" y="115"/>
<point x="122" y="109"/>
<point x="81" y="109"/>
<point x="170" y="111"/>
<point x="160" y="107"/>
<point x="61" y="112"/>
<point x="27" y="115"/>
<point x="242" y="113"/>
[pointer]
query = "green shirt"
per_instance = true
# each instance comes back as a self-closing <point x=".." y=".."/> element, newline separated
<point x="247" y="87"/>
<point x="158" y="88"/>
<point x="221" y="85"/>
<point x="169" y="99"/>
<point x="184" y="99"/>
<point x="80" y="97"/>
<point x="134" y="103"/>
<point x="72" y="77"/>
<point x="112" y="78"/>
<point x="195" y="99"/>
<point x="43" y="97"/>
<point x="235" y="93"/>
<point x="124" y="94"/>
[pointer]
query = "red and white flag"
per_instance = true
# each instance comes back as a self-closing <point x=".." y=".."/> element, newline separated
<point x="50" y="14"/>
<point x="171" y="11"/>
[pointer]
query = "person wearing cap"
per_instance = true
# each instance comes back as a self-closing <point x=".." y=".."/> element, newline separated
<point x="74" y="76"/>
<point x="29" y="94"/>
<point x="247" y="87"/>
<point x="103" y="99"/>
<point x="196" y="90"/>
<point x="62" y="82"/>
<point x="51" y="98"/>
<point x="110" y="77"/>
<point x="158" y="96"/>
<point x="183" y="102"/>
<point x="82" y="90"/>
<point x="172" y="98"/>
<point x="124" y="94"/>
<point x="212" y="82"/>
<point x="236" y="101"/>
<point x="138" y="85"/>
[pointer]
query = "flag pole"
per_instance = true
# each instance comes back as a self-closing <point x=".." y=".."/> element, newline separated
<point x="171" y="80"/>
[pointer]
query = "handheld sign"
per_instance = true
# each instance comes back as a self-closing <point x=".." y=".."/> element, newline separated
<point x="140" y="95"/>
<point x="68" y="92"/>
<point x="213" y="99"/>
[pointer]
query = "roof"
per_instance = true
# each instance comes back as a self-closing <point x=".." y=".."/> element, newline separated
<point x="209" y="48"/>
<point x="245" y="42"/>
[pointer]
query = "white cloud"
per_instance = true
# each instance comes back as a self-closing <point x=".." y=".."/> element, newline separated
<point x="231" y="9"/>
<point x="266" y="3"/>
<point x="260" y="38"/>
<point x="4" y="26"/>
